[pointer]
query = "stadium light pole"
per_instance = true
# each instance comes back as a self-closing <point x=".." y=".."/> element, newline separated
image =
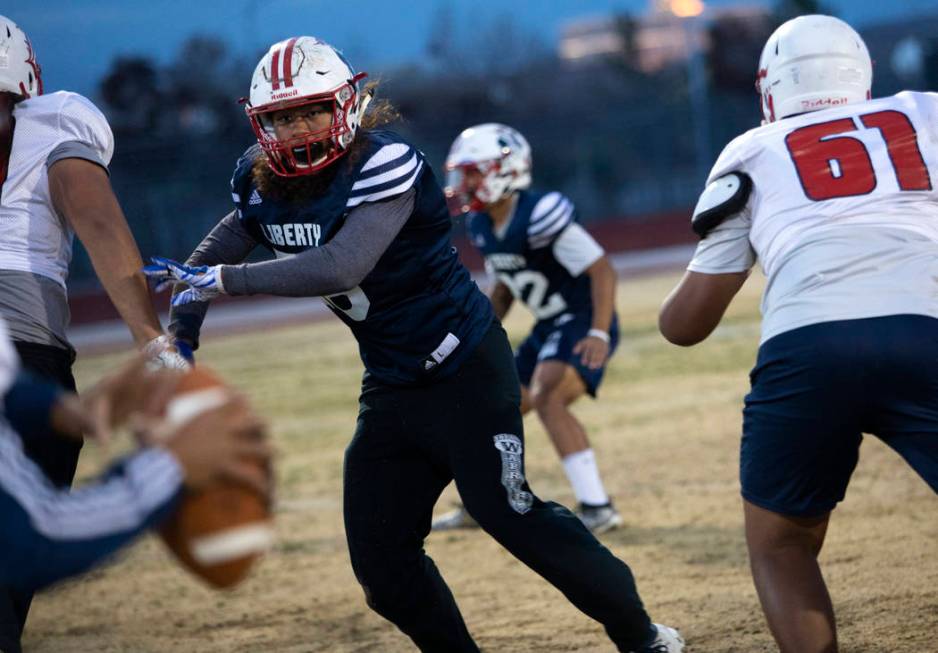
<point x="689" y="11"/>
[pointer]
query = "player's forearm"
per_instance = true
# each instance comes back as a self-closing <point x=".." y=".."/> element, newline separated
<point x="103" y="231"/>
<point x="313" y="273"/>
<point x="82" y="194"/>
<point x="185" y="322"/>
<point x="695" y="307"/>
<point x="340" y="265"/>
<point x="61" y="534"/>
<point x="603" y="293"/>
<point x="117" y="262"/>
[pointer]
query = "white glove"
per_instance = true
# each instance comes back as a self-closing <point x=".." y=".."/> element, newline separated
<point x="161" y="352"/>
<point x="204" y="281"/>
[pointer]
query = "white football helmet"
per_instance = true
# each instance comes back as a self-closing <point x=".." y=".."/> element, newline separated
<point x="19" y="72"/>
<point x="297" y="72"/>
<point x="812" y="63"/>
<point x="486" y="163"/>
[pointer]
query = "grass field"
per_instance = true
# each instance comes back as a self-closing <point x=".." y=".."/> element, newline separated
<point x="666" y="430"/>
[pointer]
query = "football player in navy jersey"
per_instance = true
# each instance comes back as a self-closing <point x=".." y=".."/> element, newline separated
<point x="537" y="253"/>
<point x="354" y="214"/>
<point x="48" y="533"/>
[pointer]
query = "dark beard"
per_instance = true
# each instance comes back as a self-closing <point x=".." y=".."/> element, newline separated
<point x="296" y="190"/>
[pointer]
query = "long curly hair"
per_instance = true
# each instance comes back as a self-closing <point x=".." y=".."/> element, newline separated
<point x="380" y="112"/>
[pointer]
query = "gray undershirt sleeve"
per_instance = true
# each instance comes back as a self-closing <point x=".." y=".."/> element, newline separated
<point x="75" y="150"/>
<point x="337" y="266"/>
<point x="228" y="242"/>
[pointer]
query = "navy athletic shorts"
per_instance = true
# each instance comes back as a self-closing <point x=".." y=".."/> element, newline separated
<point x="554" y="339"/>
<point x="817" y="389"/>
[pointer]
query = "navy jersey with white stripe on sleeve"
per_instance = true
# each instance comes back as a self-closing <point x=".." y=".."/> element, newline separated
<point x="49" y="534"/>
<point x="523" y="254"/>
<point x="418" y="313"/>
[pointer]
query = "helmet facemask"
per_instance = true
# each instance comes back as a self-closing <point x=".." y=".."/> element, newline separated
<point x="474" y="186"/>
<point x="310" y="152"/>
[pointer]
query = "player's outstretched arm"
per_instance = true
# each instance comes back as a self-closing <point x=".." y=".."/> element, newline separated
<point x="36" y="408"/>
<point x="337" y="266"/>
<point x="694" y="308"/>
<point x="49" y="534"/>
<point x="82" y="194"/>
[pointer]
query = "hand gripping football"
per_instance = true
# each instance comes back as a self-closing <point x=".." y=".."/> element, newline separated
<point x="217" y="532"/>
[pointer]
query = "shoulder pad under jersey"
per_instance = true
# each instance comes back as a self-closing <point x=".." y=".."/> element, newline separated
<point x="724" y="197"/>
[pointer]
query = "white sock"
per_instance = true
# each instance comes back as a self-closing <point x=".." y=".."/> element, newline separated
<point x="584" y="477"/>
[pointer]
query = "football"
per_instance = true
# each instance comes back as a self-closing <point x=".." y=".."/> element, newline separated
<point x="218" y="532"/>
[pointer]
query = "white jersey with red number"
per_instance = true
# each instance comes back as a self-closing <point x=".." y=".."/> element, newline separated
<point x="843" y="215"/>
<point x="33" y="238"/>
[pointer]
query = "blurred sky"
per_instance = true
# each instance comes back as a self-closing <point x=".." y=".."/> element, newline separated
<point x="75" y="41"/>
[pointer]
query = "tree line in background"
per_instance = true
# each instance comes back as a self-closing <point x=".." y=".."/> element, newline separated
<point x="616" y="139"/>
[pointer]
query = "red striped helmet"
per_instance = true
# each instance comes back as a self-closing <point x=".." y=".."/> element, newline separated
<point x="297" y="72"/>
<point x="19" y="72"/>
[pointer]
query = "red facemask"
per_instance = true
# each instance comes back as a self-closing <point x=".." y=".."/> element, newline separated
<point x="465" y="186"/>
<point x="310" y="152"/>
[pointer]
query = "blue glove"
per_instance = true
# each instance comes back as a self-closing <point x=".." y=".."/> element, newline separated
<point x="185" y="351"/>
<point x="204" y="281"/>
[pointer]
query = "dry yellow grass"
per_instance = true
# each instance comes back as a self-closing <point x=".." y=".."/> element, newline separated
<point x="666" y="430"/>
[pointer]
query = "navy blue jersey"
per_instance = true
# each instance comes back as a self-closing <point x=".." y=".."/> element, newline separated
<point x="417" y="314"/>
<point x="520" y="255"/>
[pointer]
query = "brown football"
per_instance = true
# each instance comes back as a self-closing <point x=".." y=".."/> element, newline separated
<point x="218" y="532"/>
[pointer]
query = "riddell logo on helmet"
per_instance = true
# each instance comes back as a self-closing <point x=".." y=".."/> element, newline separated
<point x="285" y="94"/>
<point x="823" y="102"/>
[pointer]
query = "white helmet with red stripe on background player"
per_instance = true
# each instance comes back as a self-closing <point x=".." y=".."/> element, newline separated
<point x="811" y="63"/>
<point x="298" y="72"/>
<point x="19" y="72"/>
<point x="486" y="163"/>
